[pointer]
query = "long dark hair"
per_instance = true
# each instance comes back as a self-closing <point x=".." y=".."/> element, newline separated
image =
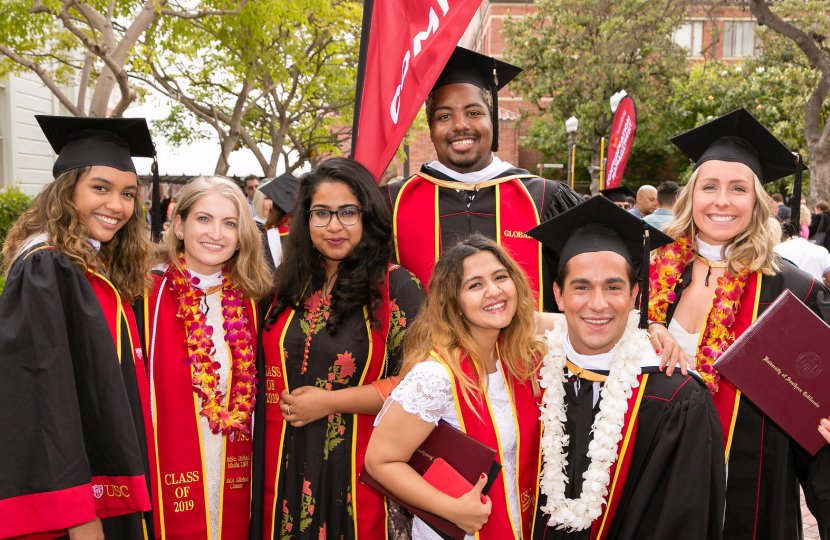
<point x="361" y="273"/>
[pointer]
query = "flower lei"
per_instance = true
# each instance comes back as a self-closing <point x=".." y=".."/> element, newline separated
<point x="579" y="514"/>
<point x="236" y="417"/>
<point x="669" y="264"/>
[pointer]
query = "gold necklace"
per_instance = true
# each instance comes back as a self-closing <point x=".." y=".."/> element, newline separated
<point x="709" y="265"/>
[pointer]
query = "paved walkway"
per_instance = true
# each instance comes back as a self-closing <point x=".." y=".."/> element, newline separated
<point x="810" y="527"/>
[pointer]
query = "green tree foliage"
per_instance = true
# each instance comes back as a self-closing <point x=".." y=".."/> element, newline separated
<point x="797" y="40"/>
<point x="577" y="53"/>
<point x="279" y="76"/>
<point x="81" y="50"/>
<point x="12" y="203"/>
<point x="774" y="87"/>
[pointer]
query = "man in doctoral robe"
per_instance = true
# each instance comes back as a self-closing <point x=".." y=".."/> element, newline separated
<point x="468" y="188"/>
<point x="667" y="480"/>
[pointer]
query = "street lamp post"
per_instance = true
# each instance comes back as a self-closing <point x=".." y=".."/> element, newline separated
<point x="571" y="126"/>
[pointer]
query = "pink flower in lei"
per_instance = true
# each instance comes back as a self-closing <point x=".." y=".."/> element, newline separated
<point x="670" y="262"/>
<point x="236" y="417"/>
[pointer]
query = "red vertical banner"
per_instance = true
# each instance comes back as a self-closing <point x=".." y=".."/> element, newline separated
<point x="623" y="129"/>
<point x="404" y="47"/>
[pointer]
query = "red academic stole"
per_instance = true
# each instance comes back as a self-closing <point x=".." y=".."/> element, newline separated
<point x="180" y="499"/>
<point x="368" y="507"/>
<point x="619" y="470"/>
<point x="416" y="222"/>
<point x="728" y="398"/>
<point x="118" y="495"/>
<point x="482" y="428"/>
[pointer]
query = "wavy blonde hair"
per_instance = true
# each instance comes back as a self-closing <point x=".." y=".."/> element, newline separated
<point x="752" y="249"/>
<point x="124" y="260"/>
<point x="441" y="327"/>
<point x="246" y="268"/>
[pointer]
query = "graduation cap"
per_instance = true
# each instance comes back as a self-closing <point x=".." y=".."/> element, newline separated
<point x="739" y="137"/>
<point x="282" y="191"/>
<point x="600" y="225"/>
<point x="618" y="194"/>
<point x="111" y="142"/>
<point x="466" y="66"/>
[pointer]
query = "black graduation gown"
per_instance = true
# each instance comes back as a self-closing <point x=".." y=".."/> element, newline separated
<point x="765" y="465"/>
<point x="458" y="220"/>
<point x="675" y="483"/>
<point x="69" y="412"/>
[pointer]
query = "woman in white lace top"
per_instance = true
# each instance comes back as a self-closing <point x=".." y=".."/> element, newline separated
<point x="470" y="359"/>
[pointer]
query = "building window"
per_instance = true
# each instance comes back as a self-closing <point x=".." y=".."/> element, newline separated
<point x="738" y="39"/>
<point x="689" y="35"/>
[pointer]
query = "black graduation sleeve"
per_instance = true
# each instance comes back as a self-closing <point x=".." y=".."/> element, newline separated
<point x="558" y="198"/>
<point x="676" y="483"/>
<point x="64" y="411"/>
<point x="408" y="294"/>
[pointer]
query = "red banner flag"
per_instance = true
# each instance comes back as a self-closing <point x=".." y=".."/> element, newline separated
<point x="620" y="141"/>
<point x="404" y="47"/>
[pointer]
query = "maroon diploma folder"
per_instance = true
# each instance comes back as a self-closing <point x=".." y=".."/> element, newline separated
<point x="461" y="452"/>
<point x="782" y="364"/>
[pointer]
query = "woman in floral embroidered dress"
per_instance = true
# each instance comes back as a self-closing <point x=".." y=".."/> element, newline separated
<point x="201" y="327"/>
<point x="471" y="360"/>
<point x="335" y="326"/>
<point x="708" y="286"/>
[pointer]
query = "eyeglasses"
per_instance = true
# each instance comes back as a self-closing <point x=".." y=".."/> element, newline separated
<point x="347" y="215"/>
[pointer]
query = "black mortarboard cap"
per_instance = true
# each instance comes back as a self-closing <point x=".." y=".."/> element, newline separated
<point x="111" y="142"/>
<point x="466" y="66"/>
<point x="283" y="191"/>
<point x="739" y="137"/>
<point x="600" y="225"/>
<point x="618" y="194"/>
<point x="82" y="142"/>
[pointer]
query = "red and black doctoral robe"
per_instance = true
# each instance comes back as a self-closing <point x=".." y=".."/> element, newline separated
<point x="431" y="212"/>
<point x="72" y="403"/>
<point x="180" y="499"/>
<point x="766" y="466"/>
<point x="668" y="480"/>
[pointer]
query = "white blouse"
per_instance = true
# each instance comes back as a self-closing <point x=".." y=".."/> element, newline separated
<point x="213" y="444"/>
<point x="427" y="392"/>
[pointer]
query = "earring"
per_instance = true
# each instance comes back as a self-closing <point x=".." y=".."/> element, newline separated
<point x="238" y="246"/>
<point x="179" y="237"/>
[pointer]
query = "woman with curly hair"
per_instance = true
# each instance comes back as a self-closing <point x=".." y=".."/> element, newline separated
<point x="707" y="288"/>
<point x="330" y="343"/>
<point x="471" y="360"/>
<point x="201" y="326"/>
<point x="73" y="389"/>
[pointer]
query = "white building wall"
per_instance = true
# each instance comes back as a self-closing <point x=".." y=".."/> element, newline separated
<point x="31" y="156"/>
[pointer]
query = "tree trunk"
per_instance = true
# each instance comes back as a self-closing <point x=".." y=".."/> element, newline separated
<point x="819" y="175"/>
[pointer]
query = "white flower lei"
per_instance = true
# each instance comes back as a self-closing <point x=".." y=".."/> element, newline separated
<point x="624" y="368"/>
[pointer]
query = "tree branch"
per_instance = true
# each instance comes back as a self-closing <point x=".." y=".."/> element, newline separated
<point x="818" y="60"/>
<point x="204" y="12"/>
<point x="45" y="78"/>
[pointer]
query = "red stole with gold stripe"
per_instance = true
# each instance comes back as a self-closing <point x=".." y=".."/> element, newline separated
<point x="417" y="226"/>
<point x="368" y="507"/>
<point x="180" y="499"/>
<point x="727" y="399"/>
<point x="619" y="470"/>
<point x="479" y="423"/>
<point x="120" y="495"/>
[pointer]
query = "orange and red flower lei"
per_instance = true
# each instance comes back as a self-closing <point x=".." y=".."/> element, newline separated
<point x="669" y="264"/>
<point x="236" y="417"/>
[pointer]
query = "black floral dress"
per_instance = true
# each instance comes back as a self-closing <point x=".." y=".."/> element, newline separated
<point x="314" y="489"/>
